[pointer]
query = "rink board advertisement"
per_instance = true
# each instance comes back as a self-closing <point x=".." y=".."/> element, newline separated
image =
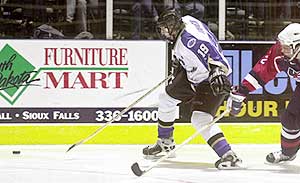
<point x="78" y="81"/>
<point x="70" y="81"/>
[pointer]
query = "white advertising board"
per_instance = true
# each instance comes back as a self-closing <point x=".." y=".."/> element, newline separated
<point x="67" y="75"/>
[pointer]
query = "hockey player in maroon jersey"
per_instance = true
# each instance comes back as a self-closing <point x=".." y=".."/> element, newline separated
<point x="282" y="56"/>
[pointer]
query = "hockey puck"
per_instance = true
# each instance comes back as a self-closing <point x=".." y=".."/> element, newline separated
<point x="16" y="152"/>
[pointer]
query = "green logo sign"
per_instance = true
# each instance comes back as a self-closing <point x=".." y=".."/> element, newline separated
<point x="16" y="74"/>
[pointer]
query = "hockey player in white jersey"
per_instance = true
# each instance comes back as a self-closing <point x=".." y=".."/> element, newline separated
<point x="200" y="81"/>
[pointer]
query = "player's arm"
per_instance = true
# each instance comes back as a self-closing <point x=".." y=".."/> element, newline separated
<point x="263" y="71"/>
<point x="217" y="78"/>
<point x="203" y="61"/>
<point x="219" y="69"/>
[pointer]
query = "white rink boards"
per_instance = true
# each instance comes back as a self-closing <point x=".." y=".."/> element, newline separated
<point x="111" y="164"/>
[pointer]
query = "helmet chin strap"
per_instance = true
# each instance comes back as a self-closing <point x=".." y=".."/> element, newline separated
<point x="295" y="54"/>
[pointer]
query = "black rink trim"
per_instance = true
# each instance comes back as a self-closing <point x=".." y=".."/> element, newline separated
<point x="165" y="124"/>
<point x="214" y="138"/>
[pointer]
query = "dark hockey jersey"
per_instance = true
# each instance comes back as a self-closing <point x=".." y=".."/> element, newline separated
<point x="268" y="66"/>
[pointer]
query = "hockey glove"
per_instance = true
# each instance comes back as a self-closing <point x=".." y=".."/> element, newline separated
<point x="235" y="101"/>
<point x="219" y="82"/>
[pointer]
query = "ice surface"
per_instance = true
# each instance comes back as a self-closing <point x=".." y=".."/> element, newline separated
<point x="111" y="164"/>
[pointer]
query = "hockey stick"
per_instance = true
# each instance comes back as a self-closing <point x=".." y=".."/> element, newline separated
<point x="120" y="114"/>
<point x="139" y="172"/>
<point x="130" y="93"/>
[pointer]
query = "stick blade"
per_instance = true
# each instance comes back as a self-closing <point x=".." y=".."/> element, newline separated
<point x="72" y="146"/>
<point x="136" y="169"/>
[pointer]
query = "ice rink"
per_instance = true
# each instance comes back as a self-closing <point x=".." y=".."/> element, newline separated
<point x="111" y="164"/>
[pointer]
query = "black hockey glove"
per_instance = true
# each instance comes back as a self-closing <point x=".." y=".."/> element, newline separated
<point x="218" y="81"/>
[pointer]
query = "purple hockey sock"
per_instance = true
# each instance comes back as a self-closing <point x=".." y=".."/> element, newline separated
<point x="219" y="144"/>
<point x="165" y="132"/>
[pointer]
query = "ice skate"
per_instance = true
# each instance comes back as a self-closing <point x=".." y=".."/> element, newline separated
<point x="278" y="157"/>
<point x="229" y="161"/>
<point x="162" y="146"/>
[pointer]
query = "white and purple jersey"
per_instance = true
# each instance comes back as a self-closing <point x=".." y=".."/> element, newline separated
<point x="195" y="46"/>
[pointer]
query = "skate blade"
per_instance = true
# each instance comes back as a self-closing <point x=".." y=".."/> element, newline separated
<point x="158" y="156"/>
<point x="237" y="167"/>
<point x="234" y="168"/>
<point x="277" y="164"/>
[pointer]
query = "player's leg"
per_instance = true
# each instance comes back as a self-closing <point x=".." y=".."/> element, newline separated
<point x="166" y="114"/>
<point x="178" y="90"/>
<point x="290" y="132"/>
<point x="290" y="140"/>
<point x="204" y="107"/>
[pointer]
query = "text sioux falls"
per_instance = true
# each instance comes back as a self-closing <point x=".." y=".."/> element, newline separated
<point x="85" y="68"/>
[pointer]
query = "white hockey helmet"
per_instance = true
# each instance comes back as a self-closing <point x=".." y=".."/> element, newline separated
<point x="290" y="35"/>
